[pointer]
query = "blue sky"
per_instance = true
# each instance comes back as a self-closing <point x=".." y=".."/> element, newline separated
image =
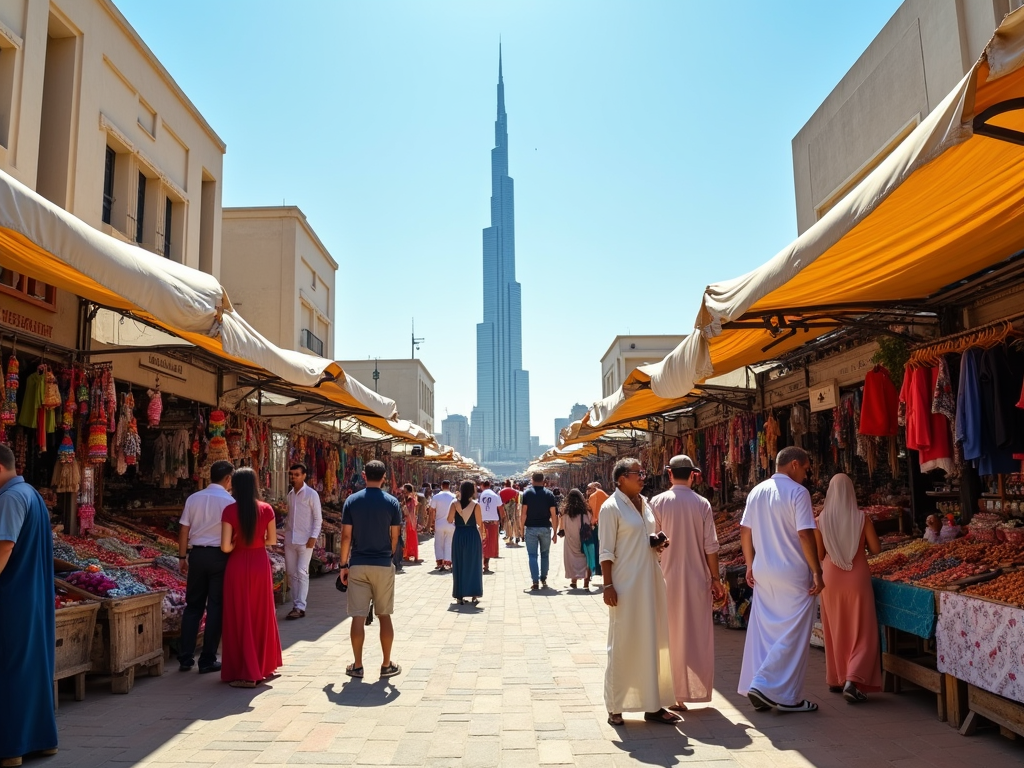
<point x="650" y="143"/>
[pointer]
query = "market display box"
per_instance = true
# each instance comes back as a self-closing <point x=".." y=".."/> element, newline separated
<point x="128" y="634"/>
<point x="76" y="625"/>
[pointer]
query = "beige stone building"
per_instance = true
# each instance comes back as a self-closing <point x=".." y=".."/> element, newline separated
<point x="407" y="382"/>
<point x="280" y="277"/>
<point x="92" y="121"/>
<point x="628" y="352"/>
<point x="917" y="58"/>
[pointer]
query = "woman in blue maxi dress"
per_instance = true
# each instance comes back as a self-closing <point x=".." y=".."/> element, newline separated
<point x="467" y="546"/>
<point x="27" y="634"/>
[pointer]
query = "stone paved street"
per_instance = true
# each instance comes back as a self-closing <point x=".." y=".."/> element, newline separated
<point x="517" y="682"/>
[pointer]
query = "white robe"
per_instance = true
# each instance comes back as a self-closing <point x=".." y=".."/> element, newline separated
<point x="639" y="675"/>
<point x="782" y="612"/>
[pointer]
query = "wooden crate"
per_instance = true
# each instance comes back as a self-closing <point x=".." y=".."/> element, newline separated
<point x="129" y="633"/>
<point x="74" y="638"/>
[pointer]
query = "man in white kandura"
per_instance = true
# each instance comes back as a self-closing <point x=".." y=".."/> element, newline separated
<point x="301" y="530"/>
<point x="690" y="566"/>
<point x="440" y="503"/>
<point x="639" y="676"/>
<point x="777" y="533"/>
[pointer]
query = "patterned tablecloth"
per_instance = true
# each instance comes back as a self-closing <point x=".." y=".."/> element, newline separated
<point x="904" y="607"/>
<point x="982" y="644"/>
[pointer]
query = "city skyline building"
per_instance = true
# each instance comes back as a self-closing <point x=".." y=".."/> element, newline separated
<point x="500" y="421"/>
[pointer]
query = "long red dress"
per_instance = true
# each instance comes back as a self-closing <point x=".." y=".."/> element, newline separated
<point x="251" y="647"/>
<point x="412" y="539"/>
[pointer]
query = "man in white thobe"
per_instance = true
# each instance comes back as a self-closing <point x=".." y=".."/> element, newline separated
<point x="301" y="530"/>
<point x="777" y="534"/>
<point x="639" y="676"/>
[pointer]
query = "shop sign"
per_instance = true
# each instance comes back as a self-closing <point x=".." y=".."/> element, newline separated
<point x="19" y="322"/>
<point x="165" y="365"/>
<point x="824" y="397"/>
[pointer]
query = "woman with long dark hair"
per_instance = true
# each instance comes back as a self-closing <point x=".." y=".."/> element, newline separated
<point x="575" y="527"/>
<point x="467" y="546"/>
<point x="412" y="541"/>
<point x="251" y="645"/>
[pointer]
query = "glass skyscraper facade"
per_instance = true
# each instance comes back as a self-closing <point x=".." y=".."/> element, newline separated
<point x="500" y="423"/>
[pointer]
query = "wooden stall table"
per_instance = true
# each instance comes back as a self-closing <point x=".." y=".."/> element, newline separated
<point x="75" y="625"/>
<point x="979" y="644"/>
<point x="907" y="616"/>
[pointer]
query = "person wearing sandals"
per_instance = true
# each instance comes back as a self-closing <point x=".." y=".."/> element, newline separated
<point x="573" y="523"/>
<point x="690" y="566"/>
<point x="848" y="602"/>
<point x="371" y="522"/>
<point x="779" y="547"/>
<point x="467" y="546"/>
<point x="638" y="677"/>
<point x="251" y="644"/>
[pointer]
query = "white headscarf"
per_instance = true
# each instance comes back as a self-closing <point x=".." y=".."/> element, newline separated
<point x="841" y="522"/>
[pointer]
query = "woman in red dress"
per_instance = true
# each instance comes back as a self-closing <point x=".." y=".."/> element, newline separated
<point x="251" y="648"/>
<point x="412" y="539"/>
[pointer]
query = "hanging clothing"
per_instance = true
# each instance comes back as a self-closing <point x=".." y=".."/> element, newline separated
<point x="879" y="411"/>
<point x="798" y="418"/>
<point x="27" y="634"/>
<point x="927" y="432"/>
<point x="1001" y="431"/>
<point x="968" y="407"/>
<point x="638" y="677"/>
<point x="782" y="612"/>
<point x="687" y="520"/>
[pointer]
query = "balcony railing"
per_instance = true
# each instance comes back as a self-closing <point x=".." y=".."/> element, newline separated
<point x="311" y="342"/>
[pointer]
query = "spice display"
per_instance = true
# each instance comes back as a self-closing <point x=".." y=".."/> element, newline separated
<point x="1008" y="588"/>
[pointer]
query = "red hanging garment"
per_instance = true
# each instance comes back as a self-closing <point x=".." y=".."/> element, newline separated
<point x="880" y="404"/>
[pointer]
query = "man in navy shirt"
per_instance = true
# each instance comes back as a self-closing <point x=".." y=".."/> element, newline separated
<point x="540" y="520"/>
<point x="370" y="523"/>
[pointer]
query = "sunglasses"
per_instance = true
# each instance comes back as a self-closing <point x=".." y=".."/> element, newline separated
<point x="641" y="473"/>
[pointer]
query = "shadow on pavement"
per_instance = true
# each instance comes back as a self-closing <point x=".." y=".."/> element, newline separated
<point x="358" y="693"/>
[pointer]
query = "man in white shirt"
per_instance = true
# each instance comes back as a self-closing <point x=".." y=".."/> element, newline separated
<point x="490" y="506"/>
<point x="301" y="530"/>
<point x="202" y="563"/>
<point x="777" y="534"/>
<point x="440" y="503"/>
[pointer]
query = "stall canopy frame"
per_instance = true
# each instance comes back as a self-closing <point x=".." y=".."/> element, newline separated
<point x="945" y="204"/>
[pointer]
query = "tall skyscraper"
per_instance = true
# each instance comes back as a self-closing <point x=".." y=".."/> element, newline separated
<point x="500" y="423"/>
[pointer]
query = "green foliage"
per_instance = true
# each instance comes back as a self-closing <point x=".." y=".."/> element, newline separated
<point x="893" y="353"/>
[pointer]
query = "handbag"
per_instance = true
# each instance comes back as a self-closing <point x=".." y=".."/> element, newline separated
<point x="586" y="531"/>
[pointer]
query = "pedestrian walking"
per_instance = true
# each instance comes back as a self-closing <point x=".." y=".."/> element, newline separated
<point x="596" y="496"/>
<point x="371" y="520"/>
<point x="399" y="554"/>
<point x="28" y="725"/>
<point x="440" y="505"/>
<point x="638" y="677"/>
<point x="576" y="528"/>
<point x="252" y="646"/>
<point x="412" y="537"/>
<point x="490" y="505"/>
<point x="301" y="530"/>
<point x="202" y="562"/>
<point x="539" y="520"/>
<point x="779" y="546"/>
<point x="467" y="546"/>
<point x="692" y="580"/>
<point x="848" y="601"/>
<point x="510" y="507"/>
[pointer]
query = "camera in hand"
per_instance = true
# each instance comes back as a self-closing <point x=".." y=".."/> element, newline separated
<point x="659" y="539"/>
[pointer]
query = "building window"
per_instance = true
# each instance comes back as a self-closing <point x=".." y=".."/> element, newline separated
<point x="140" y="208"/>
<point x="108" y="184"/>
<point x="25" y="288"/>
<point x="168" y="221"/>
<point x="313" y="343"/>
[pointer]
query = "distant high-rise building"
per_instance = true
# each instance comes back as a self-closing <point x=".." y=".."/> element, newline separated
<point x="500" y="426"/>
<point x="578" y="412"/>
<point x="560" y="424"/>
<point x="455" y="432"/>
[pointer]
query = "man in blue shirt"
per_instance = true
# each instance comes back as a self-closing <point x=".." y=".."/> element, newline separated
<point x="370" y="524"/>
<point x="27" y="722"/>
<point x="540" y="521"/>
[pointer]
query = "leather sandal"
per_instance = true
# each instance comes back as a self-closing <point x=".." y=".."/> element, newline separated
<point x="662" y="716"/>
<point x="803" y="706"/>
<point x="615" y="719"/>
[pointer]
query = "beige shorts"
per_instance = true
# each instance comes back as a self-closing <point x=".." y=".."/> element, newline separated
<point x="376" y="582"/>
